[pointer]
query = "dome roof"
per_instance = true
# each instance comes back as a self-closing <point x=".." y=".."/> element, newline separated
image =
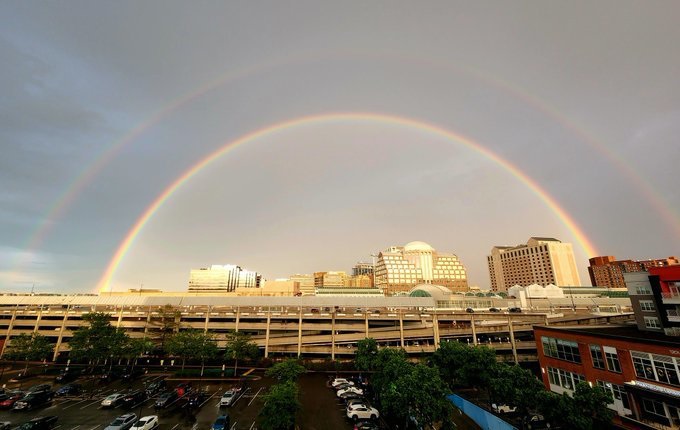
<point x="418" y="246"/>
<point x="437" y="292"/>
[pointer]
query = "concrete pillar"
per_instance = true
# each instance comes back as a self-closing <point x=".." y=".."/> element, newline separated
<point x="299" y="351"/>
<point x="148" y="321"/>
<point x="207" y="320"/>
<point x="266" y="336"/>
<point x="474" y="329"/>
<point x="37" y="320"/>
<point x="366" y="321"/>
<point x="120" y="317"/>
<point x="9" y="330"/>
<point x="401" y="328"/>
<point x="238" y="317"/>
<point x="61" y="335"/>
<point x="333" y="336"/>
<point x="435" y="330"/>
<point x="512" y="340"/>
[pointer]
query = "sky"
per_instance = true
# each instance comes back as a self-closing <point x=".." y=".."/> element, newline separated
<point x="362" y="125"/>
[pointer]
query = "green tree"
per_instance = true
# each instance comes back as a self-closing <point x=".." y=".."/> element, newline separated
<point x="511" y="385"/>
<point x="390" y="363"/>
<point x="464" y="365"/>
<point x="281" y="405"/>
<point x="99" y="339"/>
<point x="191" y="344"/>
<point x="366" y="354"/>
<point x="586" y="409"/>
<point x="286" y="371"/>
<point x="29" y="347"/>
<point x="240" y="347"/>
<point x="169" y="323"/>
<point x="418" y="392"/>
<point x="135" y="348"/>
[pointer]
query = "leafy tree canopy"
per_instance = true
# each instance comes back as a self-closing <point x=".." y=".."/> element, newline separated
<point x="280" y="407"/>
<point x="29" y="347"/>
<point x="514" y="386"/>
<point x="366" y="354"/>
<point x="191" y="344"/>
<point x="286" y="371"/>
<point x="99" y="340"/>
<point x="463" y="365"/>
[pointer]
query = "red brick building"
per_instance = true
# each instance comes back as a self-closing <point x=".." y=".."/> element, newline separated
<point x="606" y="271"/>
<point x="640" y="369"/>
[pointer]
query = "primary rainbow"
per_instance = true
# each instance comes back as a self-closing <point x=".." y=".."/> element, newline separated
<point x="549" y="201"/>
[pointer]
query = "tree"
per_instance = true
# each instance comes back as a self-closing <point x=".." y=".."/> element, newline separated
<point x="135" y="348"/>
<point x="191" y="344"/>
<point x="464" y="365"/>
<point x="97" y="340"/>
<point x="169" y="319"/>
<point x="511" y="385"/>
<point x="281" y="405"/>
<point x="587" y="409"/>
<point x="29" y="347"/>
<point x="240" y="347"/>
<point x="286" y="371"/>
<point x="390" y="363"/>
<point x="365" y="356"/>
<point x="418" y="393"/>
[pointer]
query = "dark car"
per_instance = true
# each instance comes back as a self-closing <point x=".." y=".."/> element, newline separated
<point x="39" y="423"/>
<point x="67" y="375"/>
<point x="195" y="399"/>
<point x="183" y="388"/>
<point x="110" y="375"/>
<point x="12" y="397"/>
<point x="166" y="399"/>
<point x="515" y="310"/>
<point x="470" y="310"/>
<point x="131" y="374"/>
<point x="133" y="398"/>
<point x="494" y="310"/>
<point x="33" y="400"/>
<point x="221" y="423"/>
<point x="350" y="395"/>
<point x="155" y="387"/>
<point x="69" y="390"/>
<point x="39" y="388"/>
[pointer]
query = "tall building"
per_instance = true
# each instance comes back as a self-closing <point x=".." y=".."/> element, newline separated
<point x="305" y="283"/>
<point x="541" y="261"/>
<point x="222" y="278"/>
<point x="362" y="269"/>
<point x="608" y="272"/>
<point x="330" y="279"/>
<point x="400" y="268"/>
<point x="655" y="298"/>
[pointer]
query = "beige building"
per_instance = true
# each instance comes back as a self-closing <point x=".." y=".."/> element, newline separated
<point x="542" y="261"/>
<point x="305" y="283"/>
<point x="400" y="268"/>
<point x="360" y="281"/>
<point x="330" y="280"/>
<point x="222" y="278"/>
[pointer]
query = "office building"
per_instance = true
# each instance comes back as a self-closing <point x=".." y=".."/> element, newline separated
<point x="400" y="268"/>
<point x="330" y="280"/>
<point x="222" y="278"/>
<point x="542" y="261"/>
<point x="305" y="283"/>
<point x="655" y="298"/>
<point x="362" y="269"/>
<point x="606" y="271"/>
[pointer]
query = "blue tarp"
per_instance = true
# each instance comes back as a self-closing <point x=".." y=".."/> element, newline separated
<point x="485" y="419"/>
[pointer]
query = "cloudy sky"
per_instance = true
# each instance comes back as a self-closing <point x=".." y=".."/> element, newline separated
<point x="104" y="105"/>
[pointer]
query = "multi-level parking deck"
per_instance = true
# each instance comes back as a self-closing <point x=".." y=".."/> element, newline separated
<point x="295" y="326"/>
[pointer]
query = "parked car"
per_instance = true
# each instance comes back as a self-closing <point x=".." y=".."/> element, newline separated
<point x="12" y="397"/>
<point x="133" y="398"/>
<point x="230" y="396"/>
<point x="350" y="390"/>
<point x="221" y="423"/>
<point x="39" y="388"/>
<point x="123" y="422"/>
<point x="112" y="400"/>
<point x="149" y="422"/>
<point x="367" y="425"/>
<point x="337" y="381"/>
<point x="195" y="399"/>
<point x="69" y="390"/>
<point x="515" y="310"/>
<point x="166" y="399"/>
<point x="33" y="400"/>
<point x="39" y="423"/>
<point x="494" y="310"/>
<point x="503" y="409"/>
<point x="155" y="387"/>
<point x="183" y="388"/>
<point x="356" y="401"/>
<point x="362" y="412"/>
<point x="67" y="375"/>
<point x="470" y="310"/>
<point x="351" y="396"/>
<point x="343" y="386"/>
<point x="5" y="425"/>
<point x="131" y="374"/>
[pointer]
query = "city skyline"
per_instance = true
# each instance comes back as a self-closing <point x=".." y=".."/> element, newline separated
<point x="293" y="139"/>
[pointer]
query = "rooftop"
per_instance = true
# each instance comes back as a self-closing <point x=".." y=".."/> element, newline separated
<point x="624" y="332"/>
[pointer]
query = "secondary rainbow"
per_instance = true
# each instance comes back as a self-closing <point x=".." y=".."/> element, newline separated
<point x="549" y="201"/>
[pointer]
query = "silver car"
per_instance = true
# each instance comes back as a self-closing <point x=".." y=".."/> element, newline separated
<point x="123" y="422"/>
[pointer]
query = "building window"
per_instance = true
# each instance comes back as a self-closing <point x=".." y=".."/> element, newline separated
<point x="647" y="305"/>
<point x="654" y="407"/>
<point x="564" y="378"/>
<point x="656" y="367"/>
<point x="596" y="355"/>
<point x="652" y="322"/>
<point x="618" y="392"/>
<point x="562" y="349"/>
<point x="642" y="290"/>
<point x="612" y="359"/>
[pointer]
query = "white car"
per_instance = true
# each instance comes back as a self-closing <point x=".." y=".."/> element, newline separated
<point x="149" y="422"/>
<point x="350" y="390"/>
<point x="503" y="409"/>
<point x="362" y="412"/>
<point x="340" y="381"/>
<point x="230" y="397"/>
<point x="112" y="400"/>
